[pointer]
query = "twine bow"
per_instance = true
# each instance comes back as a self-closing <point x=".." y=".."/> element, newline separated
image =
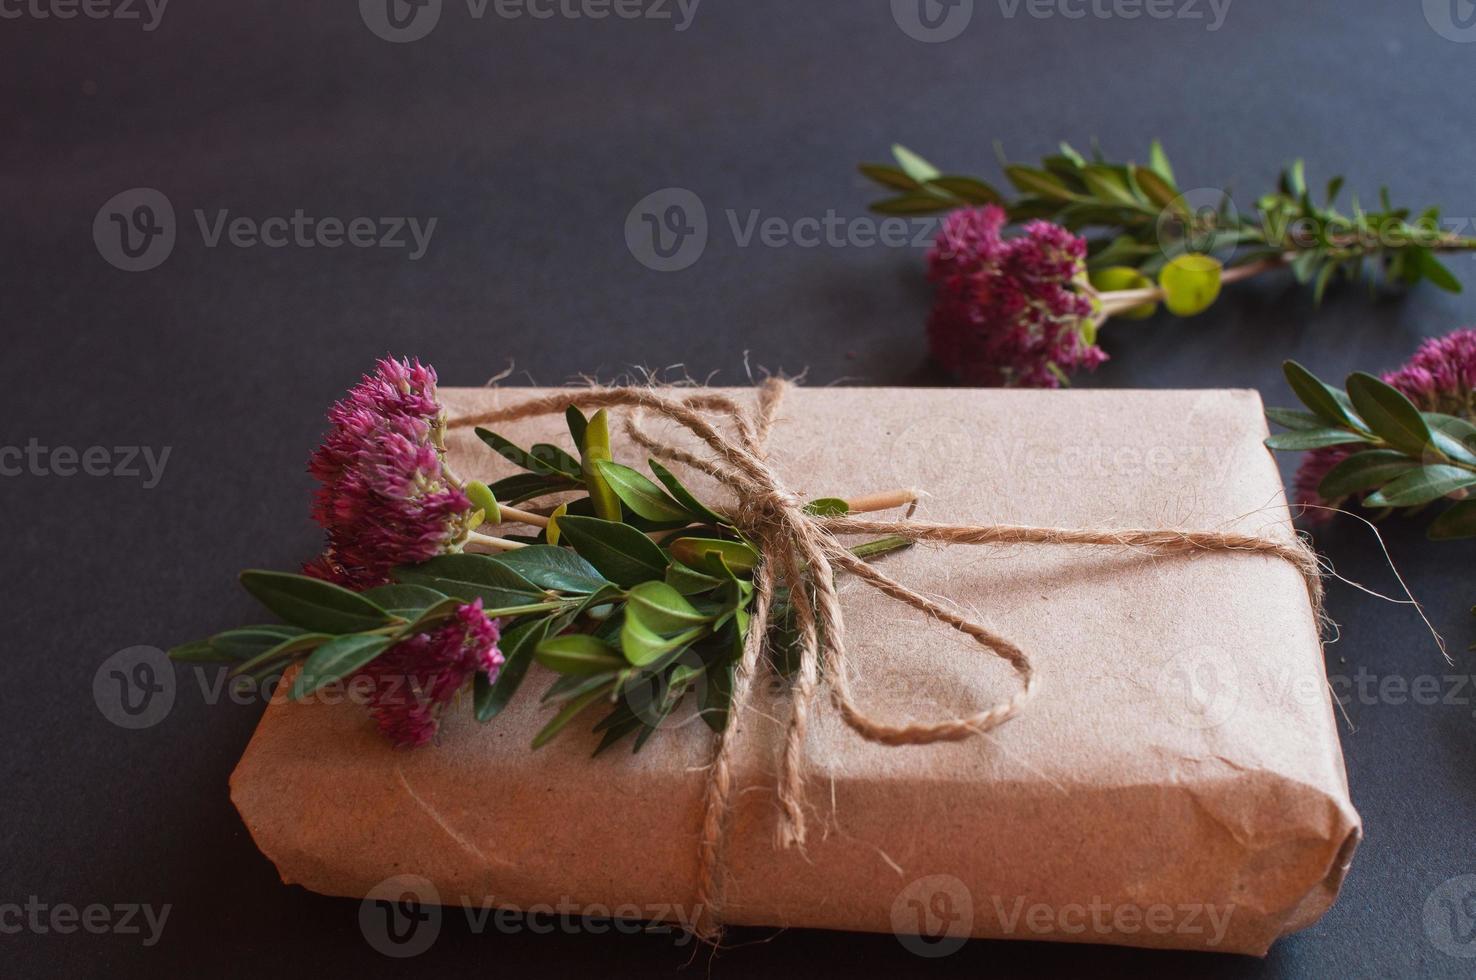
<point x="803" y="551"/>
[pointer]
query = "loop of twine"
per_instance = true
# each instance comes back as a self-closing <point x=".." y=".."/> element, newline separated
<point x="803" y="551"/>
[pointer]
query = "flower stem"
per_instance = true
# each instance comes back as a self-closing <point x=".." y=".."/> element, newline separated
<point x="486" y="542"/>
<point x="509" y="514"/>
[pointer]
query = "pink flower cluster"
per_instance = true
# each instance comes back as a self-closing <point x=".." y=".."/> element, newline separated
<point x="1441" y="377"/>
<point x="385" y="498"/>
<point x="416" y="678"/>
<point x="1007" y="311"/>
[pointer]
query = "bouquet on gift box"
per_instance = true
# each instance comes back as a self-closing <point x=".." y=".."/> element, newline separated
<point x="633" y="591"/>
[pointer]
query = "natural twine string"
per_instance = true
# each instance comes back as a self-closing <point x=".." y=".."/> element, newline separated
<point x="802" y="550"/>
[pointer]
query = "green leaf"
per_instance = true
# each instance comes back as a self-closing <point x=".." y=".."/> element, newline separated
<point x="555" y="458"/>
<point x="1458" y="521"/>
<point x="1422" y="486"/>
<point x="578" y="653"/>
<point x="1159" y="161"/>
<point x="578" y="424"/>
<point x="689" y="581"/>
<point x="913" y="165"/>
<point x="662" y="608"/>
<point x="1293" y="419"/>
<point x="553" y="568"/>
<point x="567" y="686"/>
<point x="335" y="660"/>
<point x="643" y="497"/>
<point x="910" y="204"/>
<point x="738" y="556"/>
<point x="1160" y="191"/>
<point x="1324" y="400"/>
<point x="1432" y="269"/>
<point x="468" y="577"/>
<point x="283" y="651"/>
<point x="551" y="532"/>
<point x="1363" y="471"/>
<point x="198" y="652"/>
<point x="407" y="601"/>
<point x="643" y="646"/>
<point x="245" y="643"/>
<point x="616" y="725"/>
<point x="442" y="610"/>
<point x="716" y="696"/>
<point x="569" y="712"/>
<point x="525" y="486"/>
<point x="973" y="191"/>
<point x="889" y="176"/>
<point x="1324" y="279"/>
<point x="597" y="605"/>
<point x="1311" y="439"/>
<point x="622" y="554"/>
<point x="1191" y="283"/>
<point x="683" y="495"/>
<point x="1038" y="182"/>
<point x="828" y="507"/>
<point x="1294" y="179"/>
<point x="533" y="462"/>
<point x="1107" y="185"/>
<point x="596" y="447"/>
<point x="314" y="605"/>
<point x="1454" y="436"/>
<point x="1391" y="416"/>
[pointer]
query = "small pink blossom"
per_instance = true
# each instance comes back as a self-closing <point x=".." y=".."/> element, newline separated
<point x="385" y="498"/>
<point x="1007" y="311"/>
<point x="416" y="678"/>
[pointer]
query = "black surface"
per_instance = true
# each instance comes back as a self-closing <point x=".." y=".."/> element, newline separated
<point x="530" y="141"/>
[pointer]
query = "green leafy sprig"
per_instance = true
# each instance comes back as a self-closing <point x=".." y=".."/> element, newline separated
<point x="1141" y="227"/>
<point x="1404" y="460"/>
<point x="635" y="594"/>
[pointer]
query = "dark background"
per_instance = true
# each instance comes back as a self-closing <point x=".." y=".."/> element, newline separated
<point x="531" y="141"/>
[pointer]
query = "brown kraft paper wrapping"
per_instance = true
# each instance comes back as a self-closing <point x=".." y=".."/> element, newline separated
<point x="1175" y="782"/>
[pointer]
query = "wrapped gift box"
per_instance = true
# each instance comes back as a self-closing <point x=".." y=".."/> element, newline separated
<point x="1175" y="782"/>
